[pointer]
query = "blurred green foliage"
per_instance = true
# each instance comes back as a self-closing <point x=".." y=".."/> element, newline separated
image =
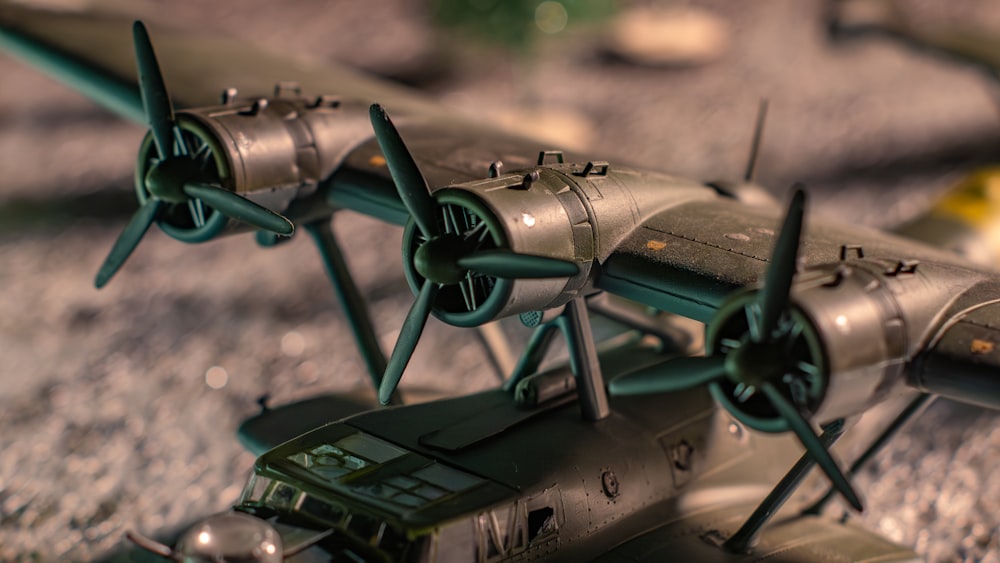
<point x="517" y="24"/>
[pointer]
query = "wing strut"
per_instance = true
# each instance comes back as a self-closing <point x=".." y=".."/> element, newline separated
<point x="534" y="352"/>
<point x="355" y="308"/>
<point x="583" y="361"/>
<point x="915" y="407"/>
<point x="574" y="323"/>
<point x="743" y="539"/>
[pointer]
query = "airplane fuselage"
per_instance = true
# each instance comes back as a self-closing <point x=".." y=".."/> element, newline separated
<point x="478" y="479"/>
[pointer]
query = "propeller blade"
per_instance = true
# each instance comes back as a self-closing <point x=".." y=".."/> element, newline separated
<point x="127" y="241"/>
<point x="506" y="264"/>
<point x="675" y="375"/>
<point x="413" y="326"/>
<point x="409" y="181"/>
<point x="812" y="444"/>
<point x="239" y="208"/>
<point x="156" y="101"/>
<point x="773" y="297"/>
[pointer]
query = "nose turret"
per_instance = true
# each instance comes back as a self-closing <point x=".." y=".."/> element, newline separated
<point x="230" y="536"/>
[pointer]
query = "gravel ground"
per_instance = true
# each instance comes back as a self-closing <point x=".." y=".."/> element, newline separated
<point x="107" y="420"/>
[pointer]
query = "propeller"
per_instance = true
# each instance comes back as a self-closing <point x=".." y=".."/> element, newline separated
<point x="178" y="176"/>
<point x="759" y="362"/>
<point x="446" y="256"/>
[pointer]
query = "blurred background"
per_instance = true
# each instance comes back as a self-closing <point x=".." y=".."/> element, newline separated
<point x="118" y="407"/>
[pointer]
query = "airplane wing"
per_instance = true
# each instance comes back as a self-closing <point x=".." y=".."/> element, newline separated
<point x="76" y="46"/>
<point x="93" y="53"/>
<point x="689" y="258"/>
<point x="446" y="151"/>
<point x="802" y="540"/>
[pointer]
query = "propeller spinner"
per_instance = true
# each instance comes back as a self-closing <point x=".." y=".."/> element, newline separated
<point x="772" y="362"/>
<point x="180" y="175"/>
<point x="450" y="252"/>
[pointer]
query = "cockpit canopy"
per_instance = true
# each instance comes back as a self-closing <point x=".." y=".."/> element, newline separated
<point x="378" y="474"/>
<point x="353" y="494"/>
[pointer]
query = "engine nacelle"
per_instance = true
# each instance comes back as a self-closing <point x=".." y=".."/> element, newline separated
<point x="269" y="150"/>
<point x="845" y="350"/>
<point x="502" y="213"/>
<point x="573" y="212"/>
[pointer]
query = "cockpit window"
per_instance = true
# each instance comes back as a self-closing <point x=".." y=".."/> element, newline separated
<point x="349" y="462"/>
<point x="541" y="521"/>
<point x="255" y="489"/>
<point x="364" y="526"/>
<point x="503" y="531"/>
<point x="282" y="496"/>
<point x="507" y="530"/>
<point x="545" y="516"/>
<point x="356" y="532"/>
<point x="420" y="487"/>
<point x="322" y="510"/>
<point x="370" y="447"/>
<point x="390" y="539"/>
<point x="347" y="455"/>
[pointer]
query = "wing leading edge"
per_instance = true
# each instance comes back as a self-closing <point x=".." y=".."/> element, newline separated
<point x="93" y="53"/>
<point x="689" y="258"/>
<point x="84" y="49"/>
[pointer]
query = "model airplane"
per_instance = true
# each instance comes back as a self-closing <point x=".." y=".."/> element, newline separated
<point x="630" y="451"/>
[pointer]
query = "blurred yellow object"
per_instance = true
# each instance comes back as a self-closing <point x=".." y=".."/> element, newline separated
<point x="975" y="200"/>
<point x="966" y="219"/>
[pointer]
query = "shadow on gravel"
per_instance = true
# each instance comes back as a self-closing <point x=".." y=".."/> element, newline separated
<point x="22" y="214"/>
